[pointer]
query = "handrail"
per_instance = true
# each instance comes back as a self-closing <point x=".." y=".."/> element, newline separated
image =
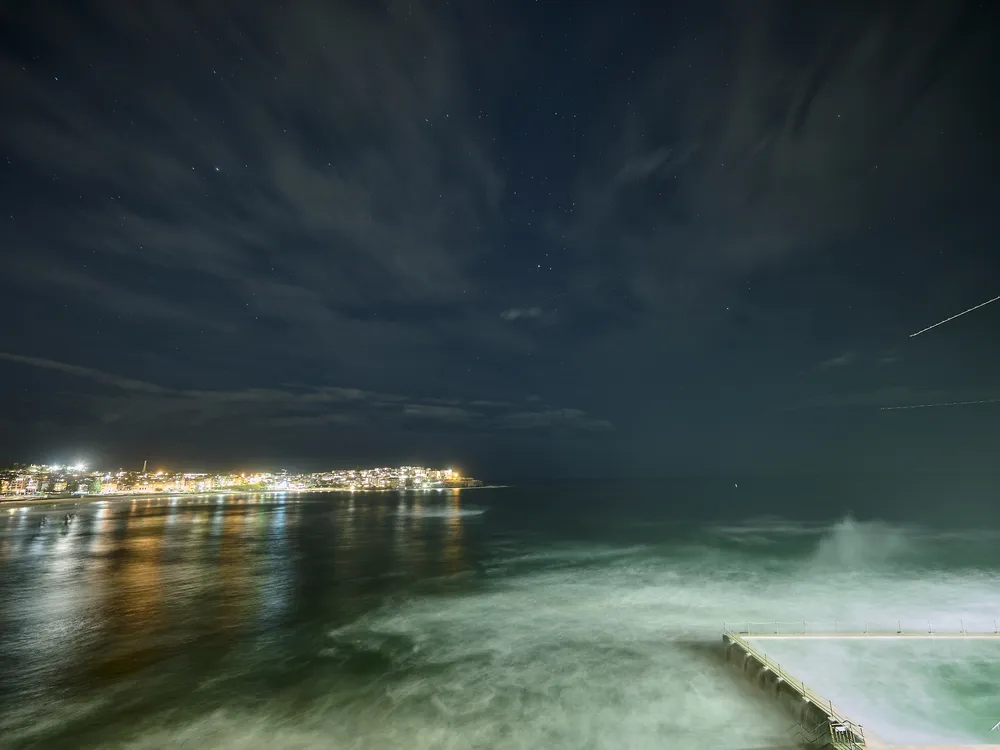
<point x="809" y="734"/>
<point x="806" y="736"/>
<point x="807" y="693"/>
<point x="867" y="627"/>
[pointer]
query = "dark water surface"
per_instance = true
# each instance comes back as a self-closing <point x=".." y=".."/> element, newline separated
<point x="563" y="616"/>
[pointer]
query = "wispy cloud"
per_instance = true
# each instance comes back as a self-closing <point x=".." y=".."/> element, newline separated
<point x="218" y="200"/>
<point x="451" y="414"/>
<point x="656" y="163"/>
<point x="841" y="360"/>
<point x="518" y="313"/>
<point x="554" y="418"/>
<point x="740" y="168"/>
<point x="643" y="165"/>
<point x="132" y="401"/>
<point x="96" y="376"/>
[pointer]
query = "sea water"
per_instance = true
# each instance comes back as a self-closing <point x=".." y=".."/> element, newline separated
<point x="558" y="616"/>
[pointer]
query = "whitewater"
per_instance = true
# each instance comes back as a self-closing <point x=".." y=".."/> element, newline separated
<point x="506" y="637"/>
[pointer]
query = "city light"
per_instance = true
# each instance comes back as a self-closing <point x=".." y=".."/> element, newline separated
<point x="63" y="481"/>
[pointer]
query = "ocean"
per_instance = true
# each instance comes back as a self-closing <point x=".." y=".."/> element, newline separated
<point x="570" y="615"/>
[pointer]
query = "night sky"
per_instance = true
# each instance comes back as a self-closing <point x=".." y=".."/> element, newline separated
<point x="524" y="238"/>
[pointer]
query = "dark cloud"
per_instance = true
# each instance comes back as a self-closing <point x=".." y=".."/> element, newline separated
<point x="319" y="132"/>
<point x="133" y="402"/>
<point x="780" y="132"/>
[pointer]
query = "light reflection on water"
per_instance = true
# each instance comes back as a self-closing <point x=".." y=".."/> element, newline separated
<point x="152" y="592"/>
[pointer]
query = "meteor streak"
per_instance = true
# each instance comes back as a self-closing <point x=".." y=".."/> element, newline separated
<point x="981" y="304"/>
<point x="949" y="403"/>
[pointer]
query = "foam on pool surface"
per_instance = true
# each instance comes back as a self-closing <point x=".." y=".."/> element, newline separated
<point x="907" y="691"/>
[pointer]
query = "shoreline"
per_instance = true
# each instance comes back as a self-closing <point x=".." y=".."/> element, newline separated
<point x="14" y="500"/>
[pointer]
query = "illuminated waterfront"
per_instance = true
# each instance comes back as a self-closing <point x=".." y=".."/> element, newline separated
<point x="37" y="480"/>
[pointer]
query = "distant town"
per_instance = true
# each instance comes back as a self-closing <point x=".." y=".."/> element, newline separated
<point x="73" y="480"/>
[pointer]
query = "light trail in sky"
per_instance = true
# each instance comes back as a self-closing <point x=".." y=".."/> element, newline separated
<point x="981" y="304"/>
<point x="948" y="403"/>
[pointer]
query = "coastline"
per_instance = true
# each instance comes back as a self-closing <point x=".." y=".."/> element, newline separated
<point x="15" y="500"/>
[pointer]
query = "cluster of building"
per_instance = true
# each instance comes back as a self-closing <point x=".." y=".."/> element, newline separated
<point x="41" y="481"/>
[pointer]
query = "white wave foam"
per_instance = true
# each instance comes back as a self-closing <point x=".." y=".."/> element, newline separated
<point x="584" y="646"/>
<point x="441" y="512"/>
<point x="856" y="546"/>
<point x="767" y="526"/>
<point x="605" y="648"/>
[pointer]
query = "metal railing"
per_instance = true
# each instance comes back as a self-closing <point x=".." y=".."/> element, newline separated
<point x="842" y="731"/>
<point x="908" y="628"/>
<point x="820" y="735"/>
